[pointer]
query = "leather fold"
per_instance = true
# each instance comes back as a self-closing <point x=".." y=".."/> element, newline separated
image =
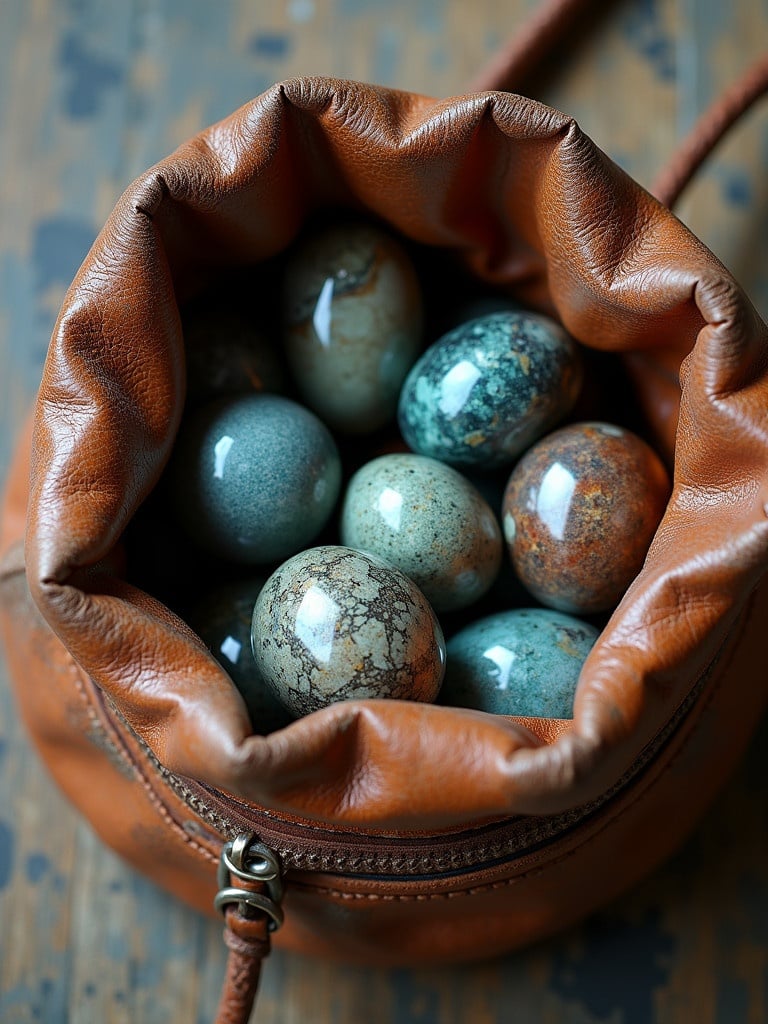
<point x="522" y="199"/>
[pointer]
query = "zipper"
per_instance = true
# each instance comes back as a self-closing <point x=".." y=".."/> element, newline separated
<point x="389" y="855"/>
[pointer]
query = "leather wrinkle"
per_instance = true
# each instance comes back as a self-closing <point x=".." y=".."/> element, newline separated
<point x="617" y="268"/>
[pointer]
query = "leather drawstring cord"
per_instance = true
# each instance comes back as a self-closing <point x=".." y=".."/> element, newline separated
<point x="250" y="895"/>
<point x="248" y="944"/>
<point x="546" y="33"/>
<point x="708" y="131"/>
<point x="542" y="36"/>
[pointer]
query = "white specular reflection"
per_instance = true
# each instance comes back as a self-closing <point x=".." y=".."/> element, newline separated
<point x="503" y="659"/>
<point x="553" y="502"/>
<point x="321" y="318"/>
<point x="456" y="386"/>
<point x="220" y="453"/>
<point x="390" y="506"/>
<point x="231" y="649"/>
<point x="316" y="624"/>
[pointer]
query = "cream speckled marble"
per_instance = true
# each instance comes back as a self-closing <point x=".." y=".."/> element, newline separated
<point x="353" y="323"/>
<point x="429" y="521"/>
<point x="335" y="624"/>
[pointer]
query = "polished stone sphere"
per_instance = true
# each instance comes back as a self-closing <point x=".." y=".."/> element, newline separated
<point x="334" y="624"/>
<point x="524" y="662"/>
<point x="428" y="520"/>
<point x="580" y="511"/>
<point x="488" y="389"/>
<point x="352" y="323"/>
<point x="255" y="478"/>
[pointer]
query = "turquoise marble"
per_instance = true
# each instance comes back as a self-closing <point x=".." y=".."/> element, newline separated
<point x="352" y="310"/>
<point x="428" y="520"/>
<point x="255" y="478"/>
<point x="523" y="662"/>
<point x="222" y="620"/>
<point x="334" y="624"/>
<point x="488" y="389"/>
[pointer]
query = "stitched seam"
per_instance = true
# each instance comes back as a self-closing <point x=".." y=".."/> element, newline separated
<point x="81" y="682"/>
<point x="541" y="868"/>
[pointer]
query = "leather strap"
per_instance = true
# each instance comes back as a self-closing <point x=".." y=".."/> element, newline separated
<point x="708" y="131"/>
<point x="248" y="942"/>
<point x="545" y="34"/>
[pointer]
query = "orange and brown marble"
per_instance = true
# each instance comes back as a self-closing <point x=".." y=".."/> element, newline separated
<point x="580" y="510"/>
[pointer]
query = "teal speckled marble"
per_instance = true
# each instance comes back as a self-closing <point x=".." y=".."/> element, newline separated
<point x="523" y="662"/>
<point x="255" y="478"/>
<point x="488" y="389"/>
<point x="335" y="624"/>
<point x="428" y="520"/>
<point x="352" y="324"/>
<point x="222" y="620"/>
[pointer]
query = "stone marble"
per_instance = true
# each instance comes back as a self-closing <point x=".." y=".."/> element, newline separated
<point x="255" y="478"/>
<point x="222" y="620"/>
<point x="428" y="520"/>
<point x="489" y="388"/>
<point x="336" y="624"/>
<point x="352" y="323"/>
<point x="523" y="662"/>
<point x="580" y="511"/>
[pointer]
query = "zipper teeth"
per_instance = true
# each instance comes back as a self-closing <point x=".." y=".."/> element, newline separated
<point x="323" y="849"/>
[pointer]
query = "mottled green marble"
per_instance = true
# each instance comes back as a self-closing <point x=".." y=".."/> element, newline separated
<point x="488" y="389"/>
<point x="222" y="620"/>
<point x="352" y="324"/>
<point x="429" y="521"/>
<point x="523" y="662"/>
<point x="335" y="624"/>
<point x="255" y="478"/>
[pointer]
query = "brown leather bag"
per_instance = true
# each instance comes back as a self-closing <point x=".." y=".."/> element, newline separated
<point x="404" y="832"/>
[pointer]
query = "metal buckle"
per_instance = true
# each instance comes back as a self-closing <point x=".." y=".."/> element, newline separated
<point x="250" y="861"/>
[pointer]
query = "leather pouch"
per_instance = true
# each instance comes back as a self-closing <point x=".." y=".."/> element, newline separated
<point x="404" y="832"/>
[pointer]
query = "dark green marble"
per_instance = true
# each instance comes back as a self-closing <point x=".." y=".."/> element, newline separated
<point x="222" y="620"/>
<point x="523" y="662"/>
<point x="488" y="389"/>
<point x="255" y="478"/>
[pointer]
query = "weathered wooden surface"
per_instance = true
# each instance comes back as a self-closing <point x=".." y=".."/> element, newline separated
<point x="93" y="93"/>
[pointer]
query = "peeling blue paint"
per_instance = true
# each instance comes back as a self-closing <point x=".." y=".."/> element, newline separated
<point x="36" y="866"/>
<point x="270" y="45"/>
<point x="737" y="188"/>
<point x="90" y="77"/>
<point x="358" y="8"/>
<point x="59" y="246"/>
<point x="386" y="56"/>
<point x="413" y="1002"/>
<point x="7" y="842"/>
<point x="643" y="29"/>
<point x="618" y="969"/>
<point x="732" y="1002"/>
